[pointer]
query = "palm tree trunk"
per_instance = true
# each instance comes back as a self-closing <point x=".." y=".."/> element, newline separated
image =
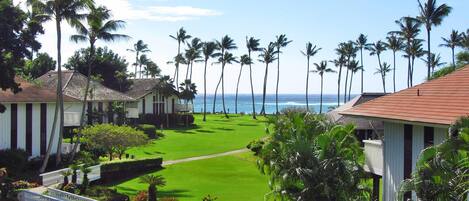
<point x="338" y="85"/>
<point x="252" y="91"/>
<point x="307" y="84"/>
<point x="265" y="89"/>
<point x="60" y="94"/>
<point x="237" y="87"/>
<point x="384" y="83"/>
<point x="409" y="65"/>
<point x="192" y="64"/>
<point x="215" y="95"/>
<point x="412" y="72"/>
<point x="187" y="70"/>
<point x="278" y="80"/>
<point x="394" y="71"/>
<point x="320" y="102"/>
<point x="350" y="86"/>
<point x="223" y="90"/>
<point x="136" y="64"/>
<point x="452" y="53"/>
<point x="205" y="90"/>
<point x="177" y="67"/>
<point x="361" y="55"/>
<point x="346" y="82"/>
<point x="429" y="53"/>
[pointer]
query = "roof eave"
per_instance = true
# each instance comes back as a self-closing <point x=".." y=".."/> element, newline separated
<point x="402" y="121"/>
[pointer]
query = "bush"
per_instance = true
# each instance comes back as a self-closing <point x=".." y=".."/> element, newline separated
<point x="294" y="110"/>
<point x="110" y="172"/>
<point x="141" y="196"/>
<point x="149" y="130"/>
<point x="21" y="184"/>
<point x="168" y="199"/>
<point x="256" y="146"/>
<point x="15" y="161"/>
<point x="105" y="194"/>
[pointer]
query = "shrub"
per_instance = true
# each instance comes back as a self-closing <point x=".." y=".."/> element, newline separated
<point x="141" y="196"/>
<point x="256" y="146"/>
<point x="15" y="161"/>
<point x="71" y="188"/>
<point x="168" y="199"/>
<point x="294" y="110"/>
<point x="105" y="194"/>
<point x="111" y="172"/>
<point x="149" y="130"/>
<point x="209" y="198"/>
<point x="21" y="184"/>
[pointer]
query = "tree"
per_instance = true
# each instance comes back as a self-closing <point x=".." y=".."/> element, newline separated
<point x="152" y="69"/>
<point x="153" y="181"/>
<point x="464" y="40"/>
<point x="395" y="44"/>
<point x="339" y="63"/>
<point x="452" y="42"/>
<point x="267" y="56"/>
<point x="39" y="66"/>
<point x="431" y="15"/>
<point x="322" y="68"/>
<point x="227" y="58"/>
<point x="434" y="62"/>
<point x="376" y="49"/>
<point x="361" y="44"/>
<point x="181" y="37"/>
<point x="59" y="10"/>
<point x="349" y="50"/>
<point x="192" y="55"/>
<point x="414" y="51"/>
<point x="383" y="70"/>
<point x="188" y="92"/>
<point x="143" y="60"/>
<point x="252" y="45"/>
<point x="225" y="44"/>
<point x="139" y="48"/>
<point x="34" y="27"/>
<point x="208" y="51"/>
<point x="244" y="60"/>
<point x="354" y="68"/>
<point x="166" y="88"/>
<point x="308" y="53"/>
<point x="281" y="42"/>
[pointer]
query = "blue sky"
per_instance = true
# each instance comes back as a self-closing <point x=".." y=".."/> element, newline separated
<point x="324" y="23"/>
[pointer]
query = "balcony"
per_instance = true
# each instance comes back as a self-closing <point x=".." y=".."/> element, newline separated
<point x="373" y="156"/>
<point x="72" y="118"/>
<point x="183" y="107"/>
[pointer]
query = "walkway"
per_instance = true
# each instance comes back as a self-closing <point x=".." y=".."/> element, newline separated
<point x="165" y="163"/>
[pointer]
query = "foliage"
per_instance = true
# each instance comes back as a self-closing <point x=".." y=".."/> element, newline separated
<point x="21" y="184"/>
<point x="70" y="187"/>
<point x="113" y="138"/>
<point x="209" y="198"/>
<point x="128" y="168"/>
<point x="103" y="193"/>
<point x="42" y="64"/>
<point x="153" y="182"/>
<point x="442" y="72"/>
<point x="149" y="130"/>
<point x="15" y="161"/>
<point x="256" y="146"/>
<point x="168" y="199"/>
<point x="308" y="159"/>
<point x="462" y="58"/>
<point x="105" y="63"/>
<point x="141" y="196"/>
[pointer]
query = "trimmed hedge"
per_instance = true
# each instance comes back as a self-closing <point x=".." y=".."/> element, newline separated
<point x="148" y="129"/>
<point x="111" y="172"/>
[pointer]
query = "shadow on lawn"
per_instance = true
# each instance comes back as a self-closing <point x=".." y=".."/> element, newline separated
<point x="177" y="193"/>
<point x="187" y="130"/>
<point x="204" y="131"/>
<point x="225" y="129"/>
<point x="244" y="124"/>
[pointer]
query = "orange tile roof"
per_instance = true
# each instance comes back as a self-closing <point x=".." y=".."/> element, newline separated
<point x="440" y="101"/>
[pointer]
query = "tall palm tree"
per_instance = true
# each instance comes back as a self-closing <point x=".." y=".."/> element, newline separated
<point x="452" y="42"/>
<point x="361" y="43"/>
<point x="409" y="30"/>
<point x="59" y="10"/>
<point x="152" y="69"/>
<point x="309" y="52"/>
<point x="139" y="48"/>
<point x="431" y="15"/>
<point x="166" y="88"/>
<point x="142" y="61"/>
<point x="383" y="70"/>
<point x="376" y="49"/>
<point x="281" y="42"/>
<point x="464" y="40"/>
<point x="252" y="45"/>
<point x="227" y="58"/>
<point x="414" y="51"/>
<point x="395" y="44"/>
<point x="181" y="37"/>
<point x="99" y="27"/>
<point x="267" y="56"/>
<point x="226" y="43"/>
<point x="322" y="68"/>
<point x="153" y="182"/>
<point x="350" y="52"/>
<point x="435" y="62"/>
<point x="195" y="49"/>
<point x="244" y="60"/>
<point x="208" y="51"/>
<point x="354" y="67"/>
<point x="339" y="63"/>
<point x="121" y="76"/>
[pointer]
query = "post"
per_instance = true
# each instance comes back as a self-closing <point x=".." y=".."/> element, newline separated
<point x="375" y="193"/>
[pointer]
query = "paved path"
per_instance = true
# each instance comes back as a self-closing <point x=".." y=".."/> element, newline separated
<point x="165" y="163"/>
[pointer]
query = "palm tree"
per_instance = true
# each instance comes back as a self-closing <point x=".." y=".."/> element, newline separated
<point x="100" y="27"/>
<point x="361" y="43"/>
<point x="252" y="45"/>
<point x="244" y="60"/>
<point x="195" y="50"/>
<point x="208" y="51"/>
<point x="464" y="40"/>
<point x="224" y="45"/>
<point x="139" y="48"/>
<point x="227" y="58"/>
<point x="142" y="61"/>
<point x="121" y="76"/>
<point x="339" y="63"/>
<point x="376" y="49"/>
<point x="181" y="37"/>
<point x="188" y="92"/>
<point x="350" y="52"/>
<point x="395" y="44"/>
<point x="281" y="42"/>
<point x="414" y="51"/>
<point x="267" y="56"/>
<point x="152" y="69"/>
<point x="59" y="10"/>
<point x="354" y="68"/>
<point x="322" y="68"/>
<point x="308" y="53"/>
<point x="434" y="62"/>
<point x="166" y="88"/>
<point x="431" y="15"/>
<point x="451" y="42"/>
<point x="383" y="70"/>
<point x="153" y="182"/>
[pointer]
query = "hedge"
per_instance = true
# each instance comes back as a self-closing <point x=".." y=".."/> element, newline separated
<point x="111" y="172"/>
<point x="148" y="129"/>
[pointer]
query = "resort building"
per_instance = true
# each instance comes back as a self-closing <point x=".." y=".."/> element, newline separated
<point x="414" y="119"/>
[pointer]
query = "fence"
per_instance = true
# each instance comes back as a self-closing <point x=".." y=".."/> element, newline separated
<point x="55" y="177"/>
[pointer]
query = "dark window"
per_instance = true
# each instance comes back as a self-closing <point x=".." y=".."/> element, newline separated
<point x="90" y="113"/>
<point x="29" y="128"/>
<point x="43" y="128"/>
<point x="143" y="105"/>
<point x="428" y="136"/>
<point x="173" y="106"/>
<point x="162" y="108"/>
<point x="110" y="113"/>
<point x="407" y="155"/>
<point x="155" y="111"/>
<point x="14" y="126"/>
<point x="100" y="111"/>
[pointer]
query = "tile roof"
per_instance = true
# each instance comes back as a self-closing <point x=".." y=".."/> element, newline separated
<point x="441" y="101"/>
<point x="31" y="93"/>
<point x="74" y="84"/>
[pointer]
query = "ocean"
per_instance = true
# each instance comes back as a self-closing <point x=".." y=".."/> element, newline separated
<point x="245" y="102"/>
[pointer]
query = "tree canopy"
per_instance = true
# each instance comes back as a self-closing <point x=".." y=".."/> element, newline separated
<point x="39" y="66"/>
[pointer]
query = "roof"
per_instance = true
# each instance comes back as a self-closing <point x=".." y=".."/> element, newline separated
<point x="360" y="123"/>
<point x="441" y="101"/>
<point x="31" y="93"/>
<point x="74" y="84"/>
<point x="142" y="87"/>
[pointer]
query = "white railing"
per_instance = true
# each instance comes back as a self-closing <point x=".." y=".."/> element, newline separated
<point x="66" y="196"/>
<point x="72" y="118"/>
<point x="27" y="195"/>
<point x="55" y="177"/>
<point x="184" y="107"/>
<point x="68" y="148"/>
<point x="132" y="112"/>
<point x="373" y="156"/>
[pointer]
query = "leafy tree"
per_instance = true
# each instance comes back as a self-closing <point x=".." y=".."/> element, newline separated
<point x="361" y="43"/>
<point x="152" y="69"/>
<point x="252" y="45"/>
<point x="452" y="42"/>
<point x="139" y="48"/>
<point x="462" y="58"/>
<point x="309" y="52"/>
<point x="181" y="37"/>
<point x="143" y="60"/>
<point x="267" y="56"/>
<point x="322" y="68"/>
<point x="153" y="181"/>
<point x="39" y="66"/>
<point x="383" y="70"/>
<point x="395" y="44"/>
<point x="208" y="51"/>
<point x="280" y="42"/>
<point x="244" y="60"/>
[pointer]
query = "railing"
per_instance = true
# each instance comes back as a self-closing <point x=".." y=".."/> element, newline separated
<point x="55" y="177"/>
<point x="68" y="148"/>
<point x="66" y="196"/>
<point x="373" y="156"/>
<point x="132" y="112"/>
<point x="72" y="118"/>
<point x="183" y="107"/>
<point x="27" y="195"/>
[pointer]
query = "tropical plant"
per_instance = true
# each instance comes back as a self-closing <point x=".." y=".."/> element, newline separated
<point x="309" y="52"/>
<point x="252" y="45"/>
<point x="121" y="76"/>
<point x="153" y="182"/>
<point x="349" y="50"/>
<point x="322" y="68"/>
<point x="383" y="70"/>
<point x="152" y="69"/>
<point x="74" y="168"/>
<point x="361" y="43"/>
<point x="166" y="88"/>
<point x="143" y="60"/>
<point x="181" y="37"/>
<point x="339" y="63"/>
<point x="435" y="62"/>
<point x="267" y="56"/>
<point x="226" y="43"/>
<point x="395" y="44"/>
<point x="376" y="49"/>
<point x="244" y="60"/>
<point x="452" y="42"/>
<point x="464" y="40"/>
<point x="227" y="58"/>
<point x="431" y="15"/>
<point x="139" y="48"/>
<point x="65" y="175"/>
<point x="85" y="181"/>
<point x="280" y="42"/>
<point x="59" y="10"/>
<point x="208" y="51"/>
<point x="193" y="54"/>
<point x="414" y="51"/>
<point x="354" y="68"/>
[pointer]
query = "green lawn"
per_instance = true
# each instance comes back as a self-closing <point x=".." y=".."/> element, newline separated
<point x="216" y="135"/>
<point x="230" y="178"/>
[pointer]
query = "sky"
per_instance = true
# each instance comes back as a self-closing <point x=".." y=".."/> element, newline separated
<point x="323" y="23"/>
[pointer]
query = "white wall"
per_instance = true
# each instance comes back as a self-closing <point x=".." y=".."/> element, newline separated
<point x="5" y="129"/>
<point x="149" y="103"/>
<point x="393" y="159"/>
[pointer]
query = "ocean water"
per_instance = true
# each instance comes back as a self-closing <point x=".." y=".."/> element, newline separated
<point x="284" y="100"/>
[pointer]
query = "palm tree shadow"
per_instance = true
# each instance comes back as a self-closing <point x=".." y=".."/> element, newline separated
<point x="177" y="193"/>
<point x="225" y="129"/>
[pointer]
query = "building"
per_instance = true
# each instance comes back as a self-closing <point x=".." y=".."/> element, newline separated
<point x="414" y="119"/>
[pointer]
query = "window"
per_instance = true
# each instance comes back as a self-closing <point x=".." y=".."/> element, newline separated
<point x="428" y="136"/>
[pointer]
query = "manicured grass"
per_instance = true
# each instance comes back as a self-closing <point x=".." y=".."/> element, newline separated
<point x="216" y="135"/>
<point x="230" y="178"/>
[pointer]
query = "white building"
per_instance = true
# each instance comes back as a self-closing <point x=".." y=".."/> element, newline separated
<point x="414" y="119"/>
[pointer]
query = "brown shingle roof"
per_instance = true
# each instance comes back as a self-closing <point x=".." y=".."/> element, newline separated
<point x="74" y="84"/>
<point x="142" y="87"/>
<point x="31" y="93"/>
<point x="440" y="101"/>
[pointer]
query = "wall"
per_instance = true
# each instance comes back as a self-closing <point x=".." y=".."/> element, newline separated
<point x="149" y="103"/>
